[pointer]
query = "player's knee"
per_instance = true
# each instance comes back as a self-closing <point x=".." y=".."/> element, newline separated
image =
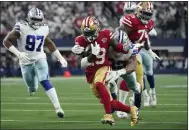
<point x="149" y="72"/>
<point x="46" y="84"/>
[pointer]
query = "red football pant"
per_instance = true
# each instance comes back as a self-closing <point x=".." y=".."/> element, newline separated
<point x="104" y="96"/>
<point x="117" y="105"/>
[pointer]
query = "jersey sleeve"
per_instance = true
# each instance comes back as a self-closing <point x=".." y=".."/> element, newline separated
<point x="17" y="27"/>
<point x="79" y="41"/>
<point x="127" y="21"/>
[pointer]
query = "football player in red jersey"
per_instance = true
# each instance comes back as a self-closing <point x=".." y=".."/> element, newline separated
<point x="137" y="26"/>
<point x="96" y="65"/>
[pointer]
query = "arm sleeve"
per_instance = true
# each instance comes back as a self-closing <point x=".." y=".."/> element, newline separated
<point x="17" y="27"/>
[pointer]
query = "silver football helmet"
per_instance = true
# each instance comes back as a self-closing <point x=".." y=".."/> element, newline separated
<point x="35" y="18"/>
<point x="129" y="7"/>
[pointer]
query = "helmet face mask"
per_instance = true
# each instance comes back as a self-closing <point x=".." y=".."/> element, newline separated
<point x="129" y="7"/>
<point x="129" y="11"/>
<point x="145" y="16"/>
<point x="90" y="36"/>
<point x="35" y="18"/>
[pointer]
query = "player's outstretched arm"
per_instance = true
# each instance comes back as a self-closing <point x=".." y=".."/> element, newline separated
<point x="52" y="48"/>
<point x="8" y="43"/>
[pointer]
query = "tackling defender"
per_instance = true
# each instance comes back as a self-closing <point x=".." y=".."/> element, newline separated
<point x="31" y="36"/>
<point x="96" y="65"/>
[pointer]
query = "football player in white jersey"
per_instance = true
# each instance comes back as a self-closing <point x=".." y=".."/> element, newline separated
<point x="31" y="36"/>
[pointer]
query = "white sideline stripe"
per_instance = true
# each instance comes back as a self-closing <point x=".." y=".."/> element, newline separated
<point x="88" y="104"/>
<point x="87" y="122"/>
<point x="37" y="110"/>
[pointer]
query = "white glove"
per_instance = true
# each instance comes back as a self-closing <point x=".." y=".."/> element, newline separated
<point x="60" y="58"/>
<point x="63" y="62"/>
<point x="77" y="49"/>
<point x="114" y="75"/>
<point x="153" y="55"/>
<point x="21" y="55"/>
<point x="95" y="49"/>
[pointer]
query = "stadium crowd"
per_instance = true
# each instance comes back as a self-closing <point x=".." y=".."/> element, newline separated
<point x="66" y="17"/>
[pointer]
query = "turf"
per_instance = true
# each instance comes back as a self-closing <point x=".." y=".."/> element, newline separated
<point x="83" y="110"/>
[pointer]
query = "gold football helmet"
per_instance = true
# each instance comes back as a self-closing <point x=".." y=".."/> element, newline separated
<point x="144" y="11"/>
<point x="90" y="28"/>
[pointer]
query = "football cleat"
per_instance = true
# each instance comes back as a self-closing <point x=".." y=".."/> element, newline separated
<point x="121" y="115"/>
<point x="108" y="119"/>
<point x="153" y="99"/>
<point x="133" y="115"/>
<point x="60" y="113"/>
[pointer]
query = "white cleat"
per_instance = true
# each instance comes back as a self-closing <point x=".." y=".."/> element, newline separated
<point x="153" y="99"/>
<point x="60" y="113"/>
<point x="122" y="115"/>
<point x="146" y="100"/>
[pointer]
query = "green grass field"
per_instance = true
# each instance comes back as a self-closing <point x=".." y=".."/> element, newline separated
<point x="83" y="110"/>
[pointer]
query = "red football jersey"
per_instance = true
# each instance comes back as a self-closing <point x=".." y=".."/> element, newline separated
<point x="101" y="60"/>
<point x="139" y="31"/>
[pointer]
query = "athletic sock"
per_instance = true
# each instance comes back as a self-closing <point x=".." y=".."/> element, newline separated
<point x="105" y="97"/>
<point x="123" y="92"/>
<point x="144" y="81"/>
<point x="138" y="100"/>
<point x="51" y="93"/>
<point x="151" y="81"/>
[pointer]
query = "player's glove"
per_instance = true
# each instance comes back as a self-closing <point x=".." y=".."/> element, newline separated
<point x="60" y="58"/>
<point x="153" y="55"/>
<point x="21" y="55"/>
<point x="63" y="62"/>
<point x="114" y="75"/>
<point x="95" y="49"/>
<point x="77" y="49"/>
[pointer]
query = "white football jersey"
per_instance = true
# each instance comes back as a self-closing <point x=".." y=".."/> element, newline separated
<point x="31" y="41"/>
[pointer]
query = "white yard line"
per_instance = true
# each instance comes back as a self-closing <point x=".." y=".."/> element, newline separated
<point x="78" y="98"/>
<point x="39" y="121"/>
<point x="79" y="104"/>
<point x="38" y="110"/>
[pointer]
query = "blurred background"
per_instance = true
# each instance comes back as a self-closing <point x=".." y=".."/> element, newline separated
<point x="64" y="20"/>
